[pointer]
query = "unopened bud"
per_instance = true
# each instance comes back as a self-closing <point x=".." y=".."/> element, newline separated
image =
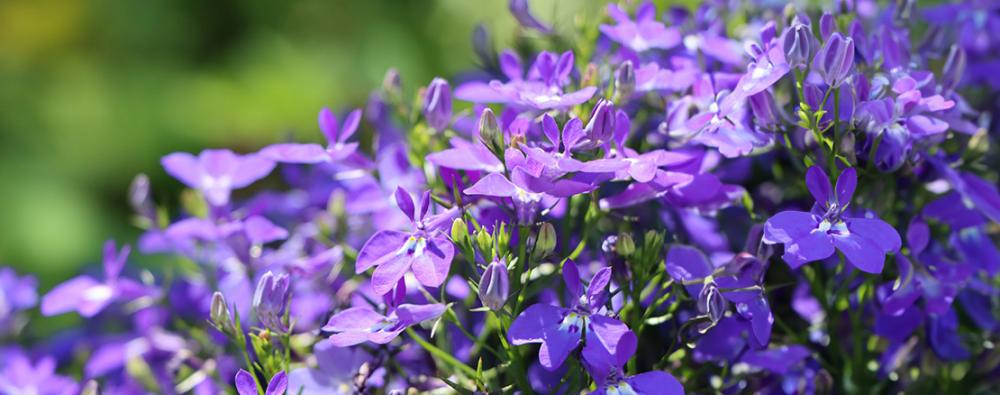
<point x="711" y="303"/>
<point x="91" y="388"/>
<point x="459" y="231"/>
<point x="545" y="243"/>
<point x="625" y="245"/>
<point x="954" y="68"/>
<point x="490" y="133"/>
<point x="140" y="200"/>
<point x="219" y="313"/>
<point x="392" y="83"/>
<point x="624" y="81"/>
<point x="494" y="286"/>
<point x="437" y="104"/>
<point x="485" y="241"/>
<point x="796" y="41"/>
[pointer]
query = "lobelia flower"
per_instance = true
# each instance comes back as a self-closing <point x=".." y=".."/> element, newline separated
<point x="651" y="77"/>
<point x="834" y="60"/>
<point x="335" y="372"/>
<point x="494" y="286"/>
<point x="19" y="375"/>
<point x="560" y="330"/>
<point x="270" y="300"/>
<point x="812" y="236"/>
<point x="521" y="12"/>
<point x="357" y="325"/>
<point x="247" y="385"/>
<point x="424" y="249"/>
<point x="437" y="104"/>
<point x="217" y="172"/>
<point x="88" y="296"/>
<point x="721" y="121"/>
<point x="740" y="281"/>
<point x="642" y="34"/>
<point x="541" y="89"/>
<point x="16" y="294"/>
<point x="609" y="375"/>
<point x="902" y="122"/>
<point x="336" y="135"/>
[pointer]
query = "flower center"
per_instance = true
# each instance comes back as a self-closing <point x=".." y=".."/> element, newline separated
<point x="573" y="323"/>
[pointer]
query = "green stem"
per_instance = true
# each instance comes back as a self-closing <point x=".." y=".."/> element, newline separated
<point x="441" y="354"/>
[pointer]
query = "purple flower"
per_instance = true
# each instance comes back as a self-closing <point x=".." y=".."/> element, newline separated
<point x="216" y="172"/>
<point x="740" y="281"/>
<point x="642" y="34"/>
<point x="88" y="296"/>
<point x="521" y="12"/>
<point x="437" y="104"/>
<point x="902" y="122"/>
<point x="247" y="385"/>
<point x="19" y="375"/>
<point x="609" y="376"/>
<point x="16" y="294"/>
<point x="336" y="135"/>
<point x="812" y="236"/>
<point x="423" y="249"/>
<point x="270" y="300"/>
<point x="650" y="77"/>
<point x="335" y="371"/>
<point x="541" y="89"/>
<point x="362" y="324"/>
<point x="560" y="330"/>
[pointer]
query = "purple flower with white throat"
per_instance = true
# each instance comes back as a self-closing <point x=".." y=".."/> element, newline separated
<point x="560" y="330"/>
<point x="337" y="148"/>
<point x="608" y="372"/>
<point x="642" y="34"/>
<point x="88" y="296"/>
<point x="216" y="173"/>
<point x="812" y="236"/>
<point x="424" y="249"/>
<point x="362" y="324"/>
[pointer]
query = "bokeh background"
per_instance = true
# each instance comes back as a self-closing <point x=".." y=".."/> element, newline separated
<point x="93" y="92"/>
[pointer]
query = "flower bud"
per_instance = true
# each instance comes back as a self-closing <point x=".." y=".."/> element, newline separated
<point x="482" y="45"/>
<point x="625" y="245"/>
<point x="954" y="68"/>
<point x="827" y="25"/>
<point x="624" y="81"/>
<point x="90" y="388"/>
<point x="489" y="132"/>
<point x="140" y="200"/>
<point x="797" y="41"/>
<point x="485" y="241"/>
<point x="601" y="126"/>
<point x="270" y="300"/>
<point x="392" y="84"/>
<point x="711" y="303"/>
<point x="835" y="59"/>
<point x="459" y="231"/>
<point x="437" y="104"/>
<point x="494" y="286"/>
<point x="545" y="243"/>
<point x="219" y="312"/>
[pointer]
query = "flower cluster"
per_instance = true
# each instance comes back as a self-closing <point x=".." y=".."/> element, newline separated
<point x="689" y="200"/>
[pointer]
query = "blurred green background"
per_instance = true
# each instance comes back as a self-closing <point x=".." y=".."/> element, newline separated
<point x="94" y="92"/>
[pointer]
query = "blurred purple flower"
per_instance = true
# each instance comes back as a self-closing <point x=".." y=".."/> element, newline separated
<point x="336" y="135"/>
<point x="362" y="324"/>
<point x="88" y="296"/>
<point x="216" y="172"/>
